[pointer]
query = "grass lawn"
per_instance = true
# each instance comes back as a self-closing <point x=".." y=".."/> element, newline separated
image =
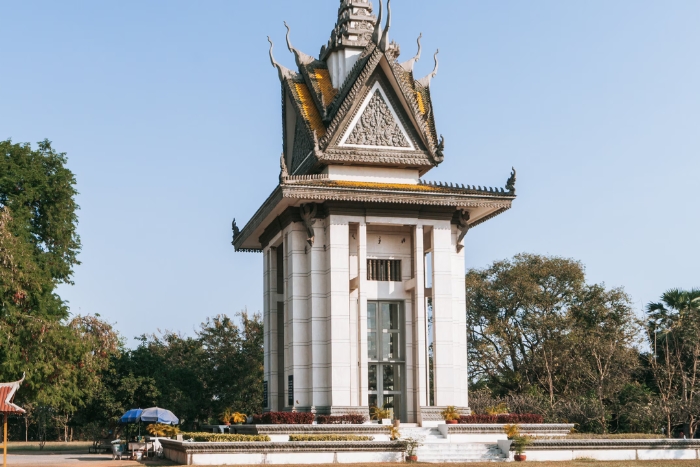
<point x="51" y="446"/>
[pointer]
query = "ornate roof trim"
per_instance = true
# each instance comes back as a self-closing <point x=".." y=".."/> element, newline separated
<point x="323" y="189"/>
<point x="336" y="190"/>
<point x="262" y="212"/>
<point x="7" y="395"/>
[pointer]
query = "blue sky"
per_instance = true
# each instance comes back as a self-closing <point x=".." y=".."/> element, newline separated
<point x="170" y="114"/>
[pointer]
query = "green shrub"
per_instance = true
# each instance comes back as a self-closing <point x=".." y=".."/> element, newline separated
<point x="330" y="438"/>
<point x="224" y="438"/>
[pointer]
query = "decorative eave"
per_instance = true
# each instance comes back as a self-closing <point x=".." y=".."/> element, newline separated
<point x="486" y="203"/>
<point x="7" y="395"/>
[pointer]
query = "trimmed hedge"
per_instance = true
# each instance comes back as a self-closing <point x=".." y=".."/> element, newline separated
<point x="505" y="418"/>
<point x="284" y="418"/>
<point x="350" y="419"/>
<point x="330" y="438"/>
<point x="223" y="437"/>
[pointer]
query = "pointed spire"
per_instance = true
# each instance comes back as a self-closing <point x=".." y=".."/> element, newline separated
<point x="408" y="65"/>
<point x="385" y="36"/>
<point x="300" y="57"/>
<point x="425" y="82"/>
<point x="282" y="71"/>
<point x="353" y="28"/>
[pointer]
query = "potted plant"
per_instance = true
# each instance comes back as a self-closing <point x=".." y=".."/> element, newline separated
<point x="450" y="415"/>
<point x="225" y="416"/>
<point x="382" y="414"/>
<point x="238" y="418"/>
<point x="394" y="433"/>
<point x="519" y="443"/>
<point x="412" y="444"/>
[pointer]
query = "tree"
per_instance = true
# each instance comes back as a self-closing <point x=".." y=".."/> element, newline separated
<point x="673" y="330"/>
<point x="535" y="327"/>
<point x="38" y="249"/>
<point x="234" y="361"/>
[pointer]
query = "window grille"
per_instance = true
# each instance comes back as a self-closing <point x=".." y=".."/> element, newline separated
<point x="384" y="270"/>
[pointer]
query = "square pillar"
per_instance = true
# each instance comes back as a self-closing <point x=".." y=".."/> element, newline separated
<point x="339" y="307"/>
<point x="420" y="318"/>
<point x="443" y="318"/>
<point x="298" y="316"/>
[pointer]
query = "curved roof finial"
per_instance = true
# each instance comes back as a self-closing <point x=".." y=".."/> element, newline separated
<point x="408" y="65"/>
<point x="384" y="43"/>
<point x="289" y="42"/>
<point x="299" y="57"/>
<point x="426" y="81"/>
<point x="282" y="71"/>
<point x="377" y="35"/>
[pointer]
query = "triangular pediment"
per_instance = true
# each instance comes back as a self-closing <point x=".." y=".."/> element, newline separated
<point x="377" y="125"/>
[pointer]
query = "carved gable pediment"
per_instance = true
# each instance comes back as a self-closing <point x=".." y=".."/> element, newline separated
<point x="376" y="125"/>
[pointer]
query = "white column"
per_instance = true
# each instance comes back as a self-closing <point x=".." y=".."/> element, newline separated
<point x="319" y="378"/>
<point x="421" y="322"/>
<point x="362" y="305"/>
<point x="443" y="320"/>
<point x="459" y="320"/>
<point x="298" y="313"/>
<point x="339" y="274"/>
<point x="268" y="323"/>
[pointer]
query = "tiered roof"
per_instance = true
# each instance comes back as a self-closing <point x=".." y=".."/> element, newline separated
<point x="7" y="395"/>
<point x="318" y="116"/>
<point x="357" y="105"/>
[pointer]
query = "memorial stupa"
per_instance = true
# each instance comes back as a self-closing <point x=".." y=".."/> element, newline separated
<point x="363" y="258"/>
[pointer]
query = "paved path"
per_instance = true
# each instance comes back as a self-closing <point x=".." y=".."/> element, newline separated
<point x="75" y="460"/>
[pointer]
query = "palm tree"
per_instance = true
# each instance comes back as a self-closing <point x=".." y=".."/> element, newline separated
<point x="674" y="332"/>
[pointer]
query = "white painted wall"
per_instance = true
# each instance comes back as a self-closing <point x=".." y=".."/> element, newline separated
<point x="340" y="63"/>
<point x="372" y="174"/>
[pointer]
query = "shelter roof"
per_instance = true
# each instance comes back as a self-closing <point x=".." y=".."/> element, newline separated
<point x="7" y="395"/>
<point x="482" y="202"/>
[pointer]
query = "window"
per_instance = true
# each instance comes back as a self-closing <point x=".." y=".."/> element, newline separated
<point x="384" y="270"/>
<point x="385" y="352"/>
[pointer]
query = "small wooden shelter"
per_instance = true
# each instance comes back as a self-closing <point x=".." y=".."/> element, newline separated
<point x="7" y="407"/>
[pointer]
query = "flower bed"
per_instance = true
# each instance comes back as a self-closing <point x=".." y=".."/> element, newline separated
<point x="502" y="418"/>
<point x="284" y="418"/>
<point x="330" y="438"/>
<point x="350" y="419"/>
<point x="224" y="438"/>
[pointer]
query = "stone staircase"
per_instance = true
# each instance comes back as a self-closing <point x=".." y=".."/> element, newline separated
<point x="436" y="448"/>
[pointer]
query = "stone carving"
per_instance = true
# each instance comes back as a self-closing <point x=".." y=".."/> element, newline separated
<point x="283" y="169"/>
<point x="308" y="212"/>
<point x="440" y="150"/>
<point x="377" y="126"/>
<point x="510" y="184"/>
<point x="235" y="230"/>
<point x="463" y="228"/>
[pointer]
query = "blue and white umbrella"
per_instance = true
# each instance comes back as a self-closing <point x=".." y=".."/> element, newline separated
<point x="132" y="416"/>
<point x="158" y="415"/>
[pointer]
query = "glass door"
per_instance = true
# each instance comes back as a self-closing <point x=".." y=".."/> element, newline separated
<point x="385" y="352"/>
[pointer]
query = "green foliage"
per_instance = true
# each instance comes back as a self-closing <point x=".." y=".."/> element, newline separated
<point x="449" y="413"/>
<point x="330" y="437"/>
<point x="520" y="442"/>
<point x="539" y="332"/>
<point x="224" y="438"/>
<point x="412" y="444"/>
<point x="498" y="409"/>
<point x="673" y="332"/>
<point x="377" y="413"/>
